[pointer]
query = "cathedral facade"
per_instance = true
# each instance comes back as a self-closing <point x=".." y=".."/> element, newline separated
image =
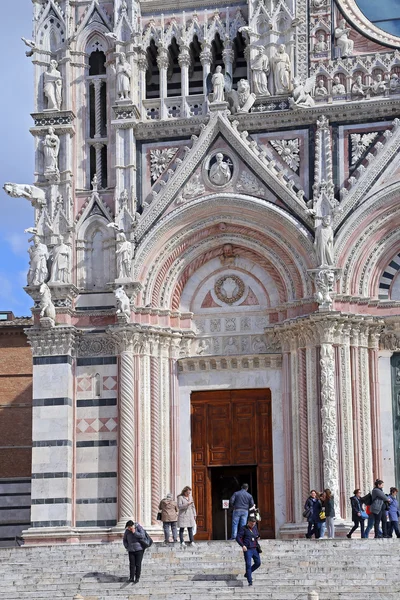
<point x="214" y="259"/>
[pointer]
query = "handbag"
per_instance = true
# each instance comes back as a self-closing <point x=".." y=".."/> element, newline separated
<point x="159" y="516"/>
<point x="147" y="542"/>
<point x="363" y="515"/>
<point x="306" y="513"/>
<point x="258" y="548"/>
<point x="322" y="515"/>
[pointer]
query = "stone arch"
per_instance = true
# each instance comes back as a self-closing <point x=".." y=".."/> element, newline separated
<point x="95" y="254"/>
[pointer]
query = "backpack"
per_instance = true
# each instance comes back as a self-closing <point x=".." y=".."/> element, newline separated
<point x="367" y="500"/>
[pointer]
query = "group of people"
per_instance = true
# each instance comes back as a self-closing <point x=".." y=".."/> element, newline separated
<point x="381" y="510"/>
<point x="180" y="514"/>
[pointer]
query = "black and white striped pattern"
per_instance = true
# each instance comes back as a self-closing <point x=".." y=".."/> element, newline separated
<point x="387" y="278"/>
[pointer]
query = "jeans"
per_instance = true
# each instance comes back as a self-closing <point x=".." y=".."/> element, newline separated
<point x="358" y="521"/>
<point x="330" y="524"/>
<point x="166" y="526"/>
<point x="322" y="528"/>
<point x="393" y="526"/>
<point x="135" y="564"/>
<point x="371" y="521"/>
<point x="314" y="528"/>
<point x="190" y="532"/>
<point x="380" y="518"/>
<point x="239" y="519"/>
<point x="250" y="555"/>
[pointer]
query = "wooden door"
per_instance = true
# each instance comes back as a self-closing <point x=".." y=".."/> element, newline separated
<point x="232" y="428"/>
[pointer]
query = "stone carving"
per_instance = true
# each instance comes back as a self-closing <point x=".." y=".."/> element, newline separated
<point x="324" y="240"/>
<point x="321" y="90"/>
<point x="281" y="71"/>
<point x="231" y="346"/>
<point x="358" y="89"/>
<point x="242" y="100"/>
<point x="229" y="289"/>
<point x="53" y="87"/>
<point x="260" y="69"/>
<point x="360" y="142"/>
<point x="193" y="188"/>
<point x="61" y="266"/>
<point x="378" y="86"/>
<point x="318" y="3"/>
<point x="394" y="82"/>
<point x="159" y="161"/>
<point x="32" y="45"/>
<point x="220" y="171"/>
<point x="39" y="254"/>
<point x="249" y="183"/>
<point x="32" y="193"/>
<point x="329" y="423"/>
<point x="96" y="346"/>
<point x="202" y="347"/>
<point x="301" y="94"/>
<point x="124" y="74"/>
<point x="47" y="308"/>
<point x="338" y="88"/>
<point x="343" y="41"/>
<point x="324" y="280"/>
<point x="321" y="45"/>
<point x="124" y="256"/>
<point x="51" y="149"/>
<point x="259" y="346"/>
<point x="289" y="151"/>
<point x="123" y="304"/>
<point x="53" y="341"/>
<point x="218" y="85"/>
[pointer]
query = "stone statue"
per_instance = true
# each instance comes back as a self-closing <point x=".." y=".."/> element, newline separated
<point x="61" y="267"/>
<point x="51" y="149"/>
<point x="218" y="85"/>
<point x="53" y="86"/>
<point x="39" y="255"/>
<point x="324" y="241"/>
<point x="324" y="281"/>
<point x="338" y="88"/>
<point x="242" y="100"/>
<point x="343" y="41"/>
<point x="260" y="69"/>
<point x="321" y="90"/>
<point x="281" y="71"/>
<point x="30" y="192"/>
<point x="301" y="97"/>
<point x="259" y="346"/>
<point x="321" y="45"/>
<point x="220" y="172"/>
<point x="124" y="74"/>
<point x="124" y="256"/>
<point x="394" y="82"/>
<point x="47" y="308"/>
<point x="202" y="347"/>
<point x="123" y="304"/>
<point x="358" y="88"/>
<point x="231" y="347"/>
<point x="379" y="85"/>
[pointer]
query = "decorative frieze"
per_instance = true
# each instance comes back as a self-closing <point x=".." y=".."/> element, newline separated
<point x="51" y="342"/>
<point x="213" y="363"/>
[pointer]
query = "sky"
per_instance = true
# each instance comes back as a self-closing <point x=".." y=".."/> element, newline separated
<point x="16" y="154"/>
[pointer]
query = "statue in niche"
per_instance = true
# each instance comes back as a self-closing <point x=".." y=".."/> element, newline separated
<point x="338" y="88"/>
<point x="321" y="90"/>
<point x="379" y="85"/>
<point x="260" y="69"/>
<point x="61" y="267"/>
<point x="123" y="304"/>
<point x="259" y="346"/>
<point x="321" y="45"/>
<point x="124" y="256"/>
<point x="46" y="304"/>
<point x="324" y="240"/>
<point x="358" y="89"/>
<point x="51" y="149"/>
<point x="231" y="347"/>
<point x="124" y="74"/>
<point x="281" y="71"/>
<point x="38" y="254"/>
<point x="301" y="97"/>
<point x="53" y="86"/>
<point x="220" y="171"/>
<point x="343" y="41"/>
<point x="394" y="82"/>
<point x="218" y="85"/>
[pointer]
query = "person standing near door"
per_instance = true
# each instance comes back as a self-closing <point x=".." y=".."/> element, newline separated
<point x="241" y="502"/>
<point x="187" y="515"/>
<point x="169" y="517"/>
<point x="247" y="538"/>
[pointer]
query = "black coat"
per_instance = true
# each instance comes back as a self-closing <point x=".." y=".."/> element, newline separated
<point x="330" y="507"/>
<point x="315" y="508"/>
<point x="132" y="539"/>
<point x="248" y="537"/>
<point x="356" y="507"/>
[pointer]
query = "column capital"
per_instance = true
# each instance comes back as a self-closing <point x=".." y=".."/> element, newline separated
<point x="162" y="58"/>
<point x="184" y="57"/>
<point x="56" y="341"/>
<point x="142" y="61"/>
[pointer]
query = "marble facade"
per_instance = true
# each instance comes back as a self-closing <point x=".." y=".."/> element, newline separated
<point x="255" y="238"/>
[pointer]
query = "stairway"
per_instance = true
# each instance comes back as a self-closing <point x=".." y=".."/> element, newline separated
<point x="342" y="569"/>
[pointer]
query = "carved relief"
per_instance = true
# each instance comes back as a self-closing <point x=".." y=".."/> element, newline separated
<point x="229" y="289"/>
<point x="159" y="161"/>
<point x="289" y="151"/>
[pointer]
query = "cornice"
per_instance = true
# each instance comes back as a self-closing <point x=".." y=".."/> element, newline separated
<point x="152" y="7"/>
<point x="229" y="363"/>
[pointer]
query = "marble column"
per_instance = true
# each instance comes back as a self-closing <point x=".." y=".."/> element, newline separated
<point x="184" y="63"/>
<point x="296" y="449"/>
<point x="155" y="408"/>
<point x="365" y="410"/>
<point x="142" y="68"/>
<point x="373" y="350"/>
<point x="163" y="63"/>
<point x="228" y="56"/>
<point x="206" y="60"/>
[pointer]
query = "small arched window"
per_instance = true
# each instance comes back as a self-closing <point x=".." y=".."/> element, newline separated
<point x="97" y="94"/>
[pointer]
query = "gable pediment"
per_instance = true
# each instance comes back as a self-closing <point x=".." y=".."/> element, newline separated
<point x="244" y="168"/>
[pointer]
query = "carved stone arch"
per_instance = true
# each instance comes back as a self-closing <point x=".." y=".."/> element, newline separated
<point x="216" y="27"/>
<point x="96" y="41"/>
<point x="52" y="34"/>
<point x="150" y="33"/>
<point x="389" y="271"/>
<point x="96" y="264"/>
<point x="194" y="29"/>
<point x="173" y="30"/>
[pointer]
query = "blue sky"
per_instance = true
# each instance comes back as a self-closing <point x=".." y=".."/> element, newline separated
<point x="16" y="154"/>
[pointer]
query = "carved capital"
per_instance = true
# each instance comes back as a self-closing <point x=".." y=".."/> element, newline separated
<point x="52" y="342"/>
<point x="162" y="58"/>
<point x="129" y="339"/>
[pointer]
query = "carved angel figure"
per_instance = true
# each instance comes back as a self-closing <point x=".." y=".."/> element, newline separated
<point x="301" y="97"/>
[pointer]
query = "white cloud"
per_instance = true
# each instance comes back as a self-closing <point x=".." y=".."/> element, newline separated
<point x="18" y="243"/>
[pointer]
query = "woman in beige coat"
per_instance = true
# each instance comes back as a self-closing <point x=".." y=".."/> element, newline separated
<point x="187" y="514"/>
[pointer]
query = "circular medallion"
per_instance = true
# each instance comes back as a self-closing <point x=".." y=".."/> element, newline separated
<point x="219" y="169"/>
<point x="229" y="289"/>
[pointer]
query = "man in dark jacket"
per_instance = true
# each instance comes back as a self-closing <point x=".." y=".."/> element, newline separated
<point x="241" y="502"/>
<point x="134" y="534"/>
<point x="380" y="502"/>
<point x="247" y="538"/>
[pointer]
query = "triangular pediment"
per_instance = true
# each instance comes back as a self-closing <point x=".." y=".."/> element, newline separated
<point x="246" y="169"/>
<point x="94" y="206"/>
<point x="94" y="15"/>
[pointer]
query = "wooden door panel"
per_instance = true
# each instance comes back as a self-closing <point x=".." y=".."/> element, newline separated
<point x="219" y="434"/>
<point x="265" y="486"/>
<point x="264" y="434"/>
<point x="243" y="433"/>
<point x="199" y="438"/>
<point x="200" y="496"/>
